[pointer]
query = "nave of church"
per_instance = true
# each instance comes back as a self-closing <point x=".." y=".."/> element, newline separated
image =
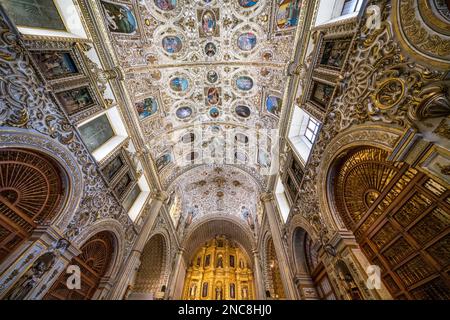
<point x="224" y="150"/>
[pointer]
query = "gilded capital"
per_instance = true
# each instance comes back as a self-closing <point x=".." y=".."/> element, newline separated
<point x="267" y="196"/>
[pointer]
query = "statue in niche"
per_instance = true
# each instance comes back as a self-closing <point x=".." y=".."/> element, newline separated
<point x="246" y="215"/>
<point x="220" y="202"/>
<point x="219" y="262"/>
<point x="218" y="293"/>
<point x="35" y="273"/>
<point x="232" y="291"/>
<point x="193" y="291"/>
<point x="193" y="211"/>
<point x="244" y="293"/>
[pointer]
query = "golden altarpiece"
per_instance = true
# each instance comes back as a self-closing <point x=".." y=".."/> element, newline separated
<point x="219" y="271"/>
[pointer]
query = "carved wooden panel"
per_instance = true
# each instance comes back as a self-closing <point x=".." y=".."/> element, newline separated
<point x="31" y="190"/>
<point x="401" y="218"/>
<point x="94" y="260"/>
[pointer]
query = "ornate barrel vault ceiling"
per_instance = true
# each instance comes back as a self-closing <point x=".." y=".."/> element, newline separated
<point x="203" y="75"/>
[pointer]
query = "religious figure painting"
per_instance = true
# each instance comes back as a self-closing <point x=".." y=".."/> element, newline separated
<point x="113" y="167"/>
<point x="321" y="94"/>
<point x="42" y="14"/>
<point x="247" y="3"/>
<point x="212" y="76"/>
<point x="244" y="83"/>
<point x="213" y="96"/>
<point x="242" y="111"/>
<point x="147" y="107"/>
<point x="333" y="53"/>
<point x="131" y="197"/>
<point x="183" y="112"/>
<point x="208" y="23"/>
<point x="120" y="18"/>
<point x="246" y="41"/>
<point x="179" y="84"/>
<point x="273" y="105"/>
<point x="166" y="5"/>
<point x="210" y="49"/>
<point x="163" y="161"/>
<point x="75" y="100"/>
<point x="287" y="13"/>
<point x="122" y="186"/>
<point x="214" y="112"/>
<point x="55" y="64"/>
<point x="172" y="44"/>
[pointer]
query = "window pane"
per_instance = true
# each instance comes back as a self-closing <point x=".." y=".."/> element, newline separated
<point x="349" y="7"/>
<point x="131" y="198"/>
<point x="34" y="14"/>
<point x="96" y="132"/>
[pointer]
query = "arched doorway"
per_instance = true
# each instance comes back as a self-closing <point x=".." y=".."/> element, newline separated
<point x="94" y="261"/>
<point x="32" y="188"/>
<point x="219" y="270"/>
<point x="275" y="284"/>
<point x="150" y="280"/>
<point x="400" y="217"/>
<point x="313" y="279"/>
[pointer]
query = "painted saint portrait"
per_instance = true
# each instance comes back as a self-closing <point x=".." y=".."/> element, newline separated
<point x="242" y="111"/>
<point x="212" y="76"/>
<point x="112" y="168"/>
<point x="263" y="158"/>
<point x="273" y="104"/>
<point x="213" y="96"/>
<point x="321" y="94"/>
<point x="120" y="18"/>
<point x="41" y="14"/>
<point x="75" y="100"/>
<point x="147" y="107"/>
<point x="131" y="197"/>
<point x="210" y="49"/>
<point x="208" y="24"/>
<point x="214" y="112"/>
<point x="172" y="44"/>
<point x="244" y="83"/>
<point x="123" y="184"/>
<point x="166" y="5"/>
<point x="287" y="13"/>
<point x="179" y="84"/>
<point x="163" y="161"/>
<point x="247" y="3"/>
<point x="183" y="112"/>
<point x="246" y="41"/>
<point x="55" y="64"/>
<point x="333" y="53"/>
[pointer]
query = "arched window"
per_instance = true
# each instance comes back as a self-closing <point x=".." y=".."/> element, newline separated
<point x="31" y="193"/>
<point x="94" y="261"/>
<point x="400" y="217"/>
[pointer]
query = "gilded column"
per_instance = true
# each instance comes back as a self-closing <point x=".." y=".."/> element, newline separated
<point x="271" y="213"/>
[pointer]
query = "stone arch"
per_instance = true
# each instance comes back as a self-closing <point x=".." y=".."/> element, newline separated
<point x="35" y="190"/>
<point x="94" y="261"/>
<point x="209" y="226"/>
<point x="274" y="283"/>
<point x="116" y="229"/>
<point x="399" y="217"/>
<point x="382" y="137"/>
<point x="24" y="139"/>
<point x="151" y="278"/>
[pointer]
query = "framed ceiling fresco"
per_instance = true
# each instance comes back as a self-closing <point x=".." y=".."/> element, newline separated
<point x="76" y="100"/>
<point x="120" y="18"/>
<point x="56" y="64"/>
